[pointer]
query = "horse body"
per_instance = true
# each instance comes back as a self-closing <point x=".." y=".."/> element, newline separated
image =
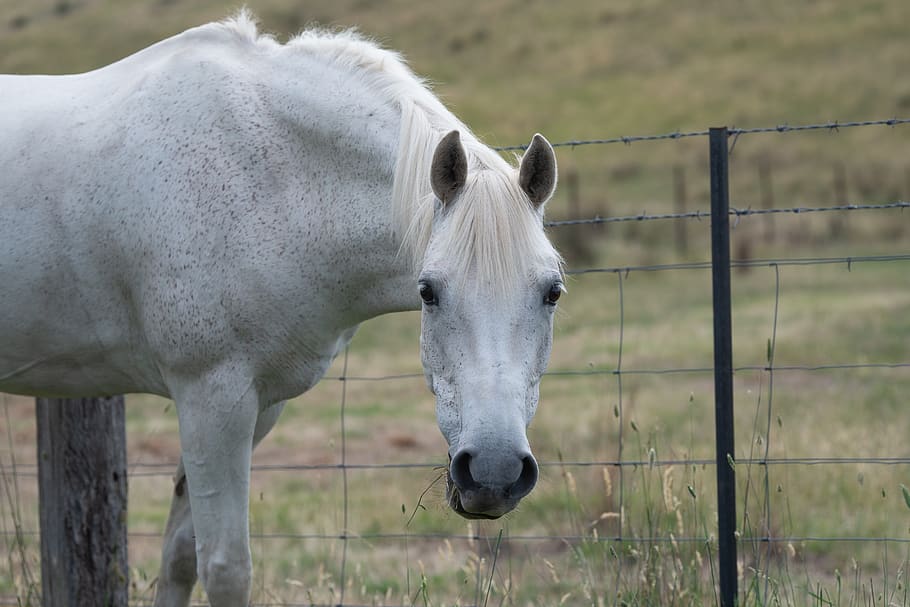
<point x="211" y="218"/>
<point x="171" y="220"/>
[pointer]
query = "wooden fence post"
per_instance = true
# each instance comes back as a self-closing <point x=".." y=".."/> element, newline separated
<point x="82" y="493"/>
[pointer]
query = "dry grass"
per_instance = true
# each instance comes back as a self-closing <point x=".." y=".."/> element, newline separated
<point x="665" y="417"/>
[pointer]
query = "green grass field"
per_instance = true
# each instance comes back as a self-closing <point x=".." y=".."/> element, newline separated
<point x="586" y="70"/>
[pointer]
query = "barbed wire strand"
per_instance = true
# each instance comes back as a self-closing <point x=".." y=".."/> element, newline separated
<point x="833" y="127"/>
<point x="738" y="213"/>
<point x="477" y="537"/>
<point x="744" y="263"/>
<point x="770" y="461"/>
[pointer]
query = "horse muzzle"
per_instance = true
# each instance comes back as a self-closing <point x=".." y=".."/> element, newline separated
<point x="485" y="487"/>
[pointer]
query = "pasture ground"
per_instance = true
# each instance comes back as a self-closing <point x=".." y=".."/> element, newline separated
<point x="828" y="314"/>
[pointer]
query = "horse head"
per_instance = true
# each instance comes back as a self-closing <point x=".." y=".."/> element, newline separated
<point x="489" y="282"/>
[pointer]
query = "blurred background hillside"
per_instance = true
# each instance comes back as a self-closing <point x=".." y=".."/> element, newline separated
<point x="568" y="69"/>
<point x="580" y="70"/>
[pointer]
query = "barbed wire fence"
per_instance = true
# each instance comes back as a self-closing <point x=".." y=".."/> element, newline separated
<point x="621" y="463"/>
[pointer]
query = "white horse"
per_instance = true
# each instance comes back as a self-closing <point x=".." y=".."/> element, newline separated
<point x="210" y="219"/>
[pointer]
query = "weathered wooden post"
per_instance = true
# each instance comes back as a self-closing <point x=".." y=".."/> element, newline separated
<point x="82" y="499"/>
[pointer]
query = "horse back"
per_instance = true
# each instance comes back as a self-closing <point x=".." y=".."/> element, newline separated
<point x="120" y="195"/>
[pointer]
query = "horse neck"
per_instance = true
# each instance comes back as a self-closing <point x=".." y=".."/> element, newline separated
<point x="357" y="228"/>
<point x="361" y="135"/>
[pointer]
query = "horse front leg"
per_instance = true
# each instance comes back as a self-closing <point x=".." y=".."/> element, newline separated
<point x="217" y="414"/>
<point x="177" y="575"/>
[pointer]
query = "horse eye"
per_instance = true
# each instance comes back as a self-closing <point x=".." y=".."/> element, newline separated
<point x="553" y="294"/>
<point x="427" y="294"/>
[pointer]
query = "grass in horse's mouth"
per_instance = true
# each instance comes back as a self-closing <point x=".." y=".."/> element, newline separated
<point x="454" y="499"/>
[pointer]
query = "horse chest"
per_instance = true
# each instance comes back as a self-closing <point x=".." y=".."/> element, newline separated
<point x="293" y="373"/>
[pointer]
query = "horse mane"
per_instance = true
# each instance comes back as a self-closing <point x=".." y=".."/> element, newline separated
<point x="494" y="230"/>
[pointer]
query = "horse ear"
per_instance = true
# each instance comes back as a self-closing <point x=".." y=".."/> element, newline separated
<point x="450" y="168"/>
<point x="537" y="175"/>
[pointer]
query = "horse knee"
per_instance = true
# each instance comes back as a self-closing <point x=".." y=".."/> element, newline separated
<point x="179" y="555"/>
<point x="179" y="558"/>
<point x="227" y="578"/>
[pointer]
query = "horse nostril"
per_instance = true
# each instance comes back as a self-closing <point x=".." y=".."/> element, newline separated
<point x="465" y="480"/>
<point x="527" y="479"/>
<point x="460" y="470"/>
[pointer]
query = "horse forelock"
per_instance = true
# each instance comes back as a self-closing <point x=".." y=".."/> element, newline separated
<point x="492" y="234"/>
<point x="491" y="231"/>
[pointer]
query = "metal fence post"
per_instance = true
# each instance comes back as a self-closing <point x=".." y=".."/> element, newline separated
<point x="723" y="366"/>
<point x="82" y="501"/>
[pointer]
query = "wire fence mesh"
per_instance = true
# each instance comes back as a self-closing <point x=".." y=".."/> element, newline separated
<point x="629" y="471"/>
